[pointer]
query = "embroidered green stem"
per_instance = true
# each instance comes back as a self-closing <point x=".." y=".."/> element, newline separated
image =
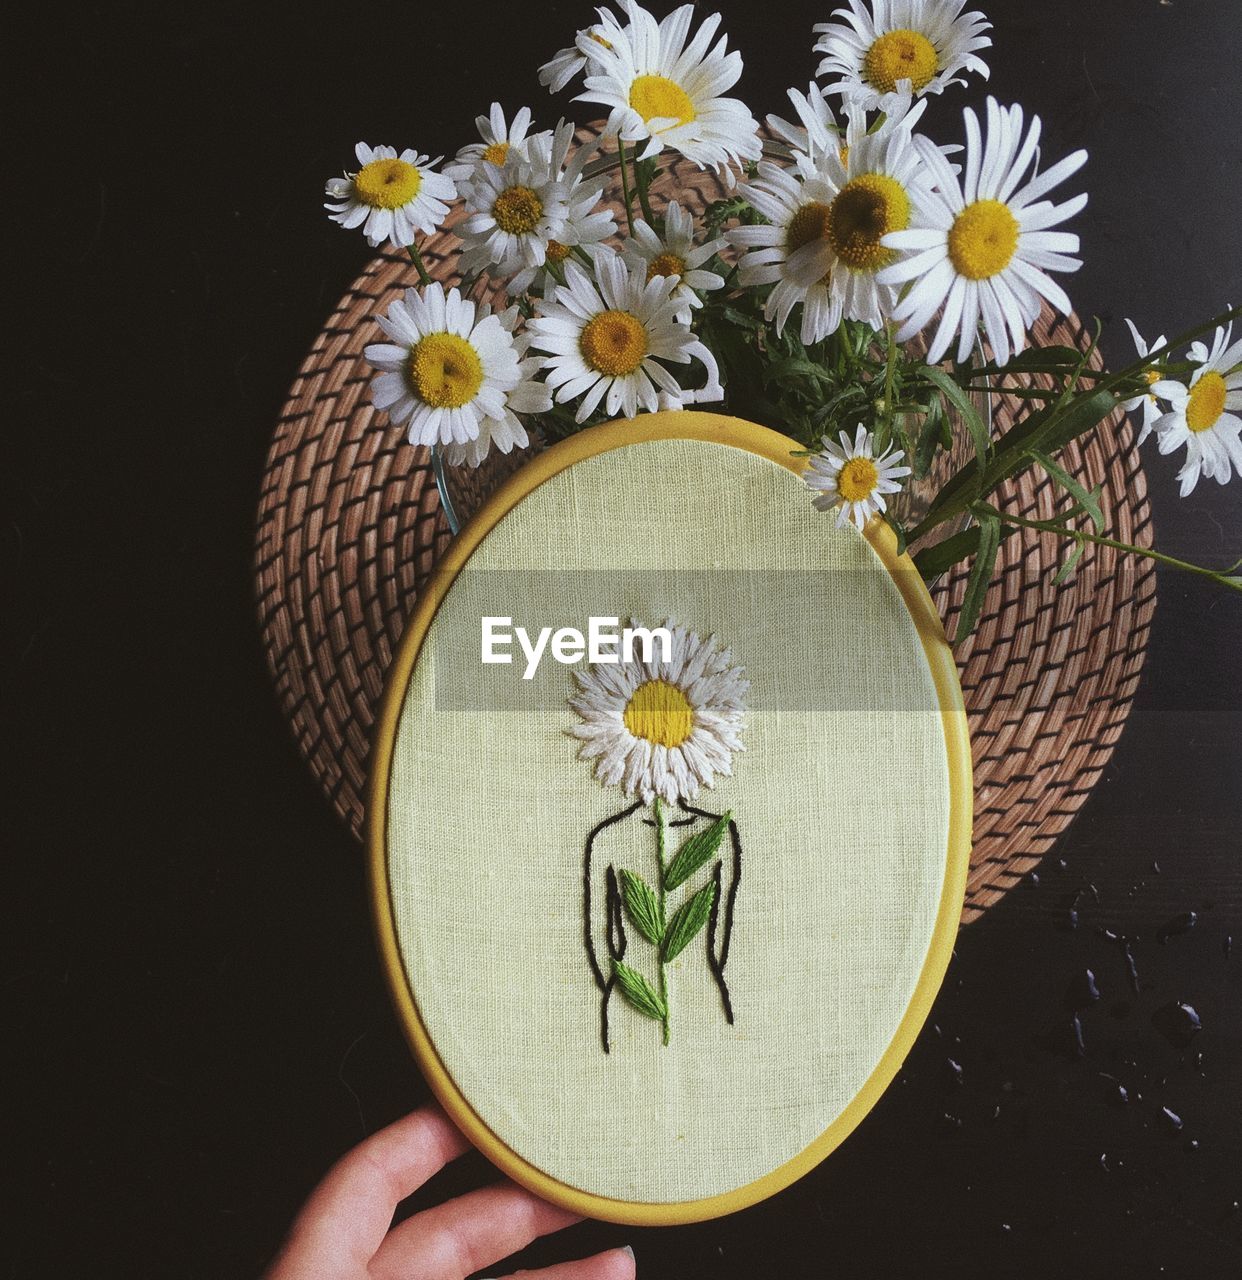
<point x="658" y="808"/>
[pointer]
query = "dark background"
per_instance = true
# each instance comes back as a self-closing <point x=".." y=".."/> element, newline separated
<point x="195" y="1020"/>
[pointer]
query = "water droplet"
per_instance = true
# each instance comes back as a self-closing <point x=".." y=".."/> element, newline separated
<point x="1032" y="880"/>
<point x="1172" y="1119"/>
<point x="1178" y="1023"/>
<point x="1082" y="991"/>
<point x="1080" y="1046"/>
<point x="1155" y="866"/>
<point x="955" y="1070"/>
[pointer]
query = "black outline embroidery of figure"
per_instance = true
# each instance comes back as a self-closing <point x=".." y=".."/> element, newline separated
<point x="719" y="935"/>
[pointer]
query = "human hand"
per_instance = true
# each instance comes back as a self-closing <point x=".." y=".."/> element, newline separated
<point x="343" y="1231"/>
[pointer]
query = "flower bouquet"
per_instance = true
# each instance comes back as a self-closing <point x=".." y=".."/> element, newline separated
<point x="854" y="284"/>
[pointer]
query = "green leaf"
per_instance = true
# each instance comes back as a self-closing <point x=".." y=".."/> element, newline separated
<point x="642" y="905"/>
<point x="639" y="992"/>
<point x="896" y="526"/>
<point x="695" y="852"/>
<point x="962" y="402"/>
<point x="980" y="576"/>
<point x="687" y="920"/>
<point x="1088" y="501"/>
<point x="932" y="561"/>
<point x="1070" y="561"/>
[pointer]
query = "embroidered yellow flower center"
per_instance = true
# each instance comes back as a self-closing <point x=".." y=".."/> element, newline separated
<point x="666" y="264"/>
<point x="660" y="713"/>
<point x="517" y="210"/>
<point x="983" y="239"/>
<point x="387" y="184"/>
<point x="900" y="55"/>
<point x="496" y="153"/>
<point x="857" y="479"/>
<point x="659" y="98"/>
<point x="867" y="208"/>
<point x="613" y="343"/>
<point x="445" y="370"/>
<point x="1207" y="402"/>
<point x="558" y="252"/>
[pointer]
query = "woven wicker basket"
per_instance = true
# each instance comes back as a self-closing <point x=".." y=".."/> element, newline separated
<point x="350" y="525"/>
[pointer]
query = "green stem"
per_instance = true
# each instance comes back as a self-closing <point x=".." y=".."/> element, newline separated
<point x="1081" y="535"/>
<point x="416" y="258"/>
<point x="626" y="197"/>
<point x="644" y="198"/>
<point x="659" y="817"/>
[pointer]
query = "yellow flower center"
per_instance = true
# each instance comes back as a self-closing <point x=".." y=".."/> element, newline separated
<point x="1207" y="402"/>
<point x="866" y="209"/>
<point x="517" y="210"/>
<point x="666" y="264"/>
<point x="857" y="479"/>
<point x="558" y="252"/>
<point x="659" y="98"/>
<point x="660" y="713"/>
<point x="983" y="239"/>
<point x="387" y="184"/>
<point x="900" y="55"/>
<point x="445" y="370"/>
<point x="496" y="153"/>
<point x="809" y="223"/>
<point x="843" y="153"/>
<point x="613" y="343"/>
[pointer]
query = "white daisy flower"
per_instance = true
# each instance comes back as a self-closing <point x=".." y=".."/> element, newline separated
<point x="515" y="209"/>
<point x="392" y="197"/>
<point x="586" y="226"/>
<point x="498" y="139"/>
<point x="529" y="398"/>
<point x="660" y="728"/>
<point x="925" y="43"/>
<point x="664" y="92"/>
<point x="675" y="254"/>
<point x="1147" y="402"/>
<point x="818" y="132"/>
<point x="851" y="476"/>
<point x="447" y="369"/>
<point x="1205" y="416"/>
<point x="823" y="245"/>
<point x="982" y="247"/>
<point x="567" y="63"/>
<point x="609" y="339"/>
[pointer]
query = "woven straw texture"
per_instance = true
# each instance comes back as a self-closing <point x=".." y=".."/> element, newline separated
<point x="350" y="526"/>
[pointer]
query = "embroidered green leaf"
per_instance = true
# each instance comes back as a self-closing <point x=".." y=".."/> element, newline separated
<point x="639" y="992"/>
<point x="642" y="905"/>
<point x="687" y="920"/>
<point x="695" y="852"/>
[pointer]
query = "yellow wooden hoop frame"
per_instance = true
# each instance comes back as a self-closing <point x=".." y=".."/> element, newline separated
<point x="715" y="429"/>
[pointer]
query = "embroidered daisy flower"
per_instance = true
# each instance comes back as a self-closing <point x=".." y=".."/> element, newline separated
<point x="664" y="92"/>
<point x="498" y="139"/>
<point x="567" y="63"/>
<point x="447" y="368"/>
<point x="675" y="254"/>
<point x="609" y="337"/>
<point x="823" y="245"/>
<point x="515" y="210"/>
<point x="660" y="728"/>
<point x="586" y="226"/>
<point x="926" y="43"/>
<point x="1205" y="416"/>
<point x="1148" y="403"/>
<point x="392" y="197"/>
<point x="982" y="247"/>
<point x="852" y="477"/>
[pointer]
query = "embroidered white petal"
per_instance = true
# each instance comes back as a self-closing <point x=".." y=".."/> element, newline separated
<point x="392" y="197"/>
<point x="661" y="727"/>
<point x="850" y="476"/>
<point x="925" y="45"/>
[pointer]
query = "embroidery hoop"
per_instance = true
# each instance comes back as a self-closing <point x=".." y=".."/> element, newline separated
<point x="715" y="429"/>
